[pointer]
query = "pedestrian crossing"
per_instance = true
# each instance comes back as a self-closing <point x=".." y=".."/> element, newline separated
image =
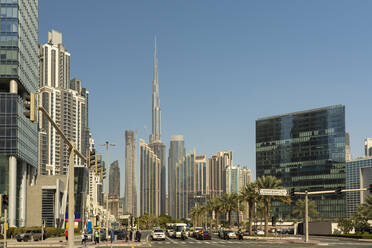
<point x="202" y="242"/>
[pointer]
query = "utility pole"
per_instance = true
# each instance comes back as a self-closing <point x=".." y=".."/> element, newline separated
<point x="107" y="144"/>
<point x="71" y="194"/>
<point x="306" y="217"/>
<point x="5" y="226"/>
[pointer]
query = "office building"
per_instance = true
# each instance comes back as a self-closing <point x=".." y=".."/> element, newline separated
<point x="306" y="150"/>
<point x="245" y="177"/>
<point x="191" y="184"/>
<point x="66" y="101"/>
<point x="217" y="166"/>
<point x="358" y="175"/>
<point x="368" y="147"/>
<point x="150" y="180"/>
<point x="232" y="179"/>
<point x="176" y="153"/>
<point x="130" y="174"/>
<point x="114" y="186"/>
<point x="18" y="79"/>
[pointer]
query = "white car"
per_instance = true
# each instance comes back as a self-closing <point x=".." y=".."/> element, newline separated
<point x="157" y="234"/>
<point x="260" y="232"/>
<point x="231" y="234"/>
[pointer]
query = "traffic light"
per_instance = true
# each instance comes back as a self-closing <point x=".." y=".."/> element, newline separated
<point x="92" y="158"/>
<point x="5" y="201"/>
<point x="30" y="107"/>
<point x="292" y="193"/>
<point x="339" y="190"/>
<point x="97" y="218"/>
<point x="370" y="188"/>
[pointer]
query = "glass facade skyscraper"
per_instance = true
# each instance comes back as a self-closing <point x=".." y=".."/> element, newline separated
<point x="306" y="150"/>
<point x="18" y="78"/>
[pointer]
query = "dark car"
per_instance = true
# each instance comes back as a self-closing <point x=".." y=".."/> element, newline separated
<point x="34" y="235"/>
<point x="203" y="235"/>
<point x="120" y="234"/>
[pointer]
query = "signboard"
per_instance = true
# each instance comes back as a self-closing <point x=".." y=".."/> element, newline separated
<point x="123" y="217"/>
<point x="77" y="216"/>
<point x="274" y="192"/>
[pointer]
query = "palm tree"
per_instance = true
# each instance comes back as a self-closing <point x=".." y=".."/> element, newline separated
<point x="250" y="194"/>
<point x="270" y="182"/>
<point x="217" y="207"/>
<point x="365" y="209"/>
<point x="229" y="203"/>
<point x="299" y="209"/>
<point x="208" y="208"/>
<point x="195" y="213"/>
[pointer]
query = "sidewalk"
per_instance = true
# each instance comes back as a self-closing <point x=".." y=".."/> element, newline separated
<point x="61" y="242"/>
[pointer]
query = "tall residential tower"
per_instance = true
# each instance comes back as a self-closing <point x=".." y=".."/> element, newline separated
<point x="130" y="174"/>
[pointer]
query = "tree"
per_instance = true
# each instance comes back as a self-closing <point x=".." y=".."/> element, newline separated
<point x="208" y="208"/>
<point x="147" y="221"/>
<point x="250" y="194"/>
<point x="365" y="209"/>
<point x="345" y="225"/>
<point x="195" y="213"/>
<point x="299" y="209"/>
<point x="164" y="219"/>
<point x="361" y="223"/>
<point x="217" y="207"/>
<point x="270" y="182"/>
<point x="229" y="202"/>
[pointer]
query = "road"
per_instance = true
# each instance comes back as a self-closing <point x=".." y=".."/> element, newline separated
<point x="216" y="242"/>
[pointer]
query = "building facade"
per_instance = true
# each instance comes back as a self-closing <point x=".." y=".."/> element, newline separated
<point x="306" y="150"/>
<point x="217" y="166"/>
<point x="368" y="147"/>
<point x="358" y="175"/>
<point x="114" y="186"/>
<point x="176" y="153"/>
<point x="130" y="174"/>
<point x="245" y="177"/>
<point x="150" y="180"/>
<point x="18" y="79"/>
<point x="67" y="103"/>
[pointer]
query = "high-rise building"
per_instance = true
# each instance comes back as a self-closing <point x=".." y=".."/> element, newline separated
<point x="358" y="175"/>
<point x="176" y="153"/>
<point x="368" y="147"/>
<point x="114" y="187"/>
<point x="306" y="150"/>
<point x="217" y="166"/>
<point x="150" y="180"/>
<point x="130" y="174"/>
<point x="232" y="179"/>
<point x="155" y="143"/>
<point x="191" y="183"/>
<point x="18" y="79"/>
<point x="67" y="103"/>
<point x="347" y="147"/>
<point x="245" y="177"/>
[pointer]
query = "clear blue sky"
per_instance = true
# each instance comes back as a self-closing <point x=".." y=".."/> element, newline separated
<point x="222" y="65"/>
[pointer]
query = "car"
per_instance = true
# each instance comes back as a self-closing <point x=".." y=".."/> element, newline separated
<point x="196" y="230"/>
<point x="34" y="235"/>
<point x="203" y="235"/>
<point x="231" y="234"/>
<point x="260" y="232"/>
<point x="157" y="234"/>
<point x="179" y="228"/>
<point x="120" y="234"/>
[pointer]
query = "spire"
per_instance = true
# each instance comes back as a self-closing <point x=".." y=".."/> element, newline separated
<point x="156" y="112"/>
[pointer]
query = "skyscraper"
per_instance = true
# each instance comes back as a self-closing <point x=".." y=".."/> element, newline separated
<point x="150" y="180"/>
<point x="67" y="103"/>
<point x="368" y="147"/>
<point x="18" y="79"/>
<point x="306" y="150"/>
<point x="114" y="187"/>
<point x="130" y="174"/>
<point x="155" y="143"/>
<point x="176" y="153"/>
<point x="217" y="166"/>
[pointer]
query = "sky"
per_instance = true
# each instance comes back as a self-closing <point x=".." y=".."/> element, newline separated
<point x="222" y="65"/>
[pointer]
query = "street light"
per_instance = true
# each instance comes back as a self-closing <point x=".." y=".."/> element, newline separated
<point x="107" y="144"/>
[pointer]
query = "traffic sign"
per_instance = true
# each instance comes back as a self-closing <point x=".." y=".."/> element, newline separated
<point x="274" y="192"/>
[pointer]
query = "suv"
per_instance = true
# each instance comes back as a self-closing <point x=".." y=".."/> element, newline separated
<point x="34" y="235"/>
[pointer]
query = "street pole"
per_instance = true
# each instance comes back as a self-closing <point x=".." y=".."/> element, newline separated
<point x="71" y="199"/>
<point x="5" y="223"/>
<point x="306" y="217"/>
<point x="107" y="186"/>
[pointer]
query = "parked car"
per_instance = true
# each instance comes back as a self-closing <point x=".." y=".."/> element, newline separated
<point x="231" y="234"/>
<point x="203" y="235"/>
<point x="157" y="234"/>
<point x="260" y="232"/>
<point x="34" y="235"/>
<point x="120" y="234"/>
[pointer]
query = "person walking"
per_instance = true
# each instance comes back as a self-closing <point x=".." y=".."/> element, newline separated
<point x="130" y="234"/>
<point x="96" y="236"/>
<point x="112" y="235"/>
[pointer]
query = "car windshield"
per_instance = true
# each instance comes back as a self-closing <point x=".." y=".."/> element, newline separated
<point x="29" y="231"/>
<point x="180" y="228"/>
<point x="158" y="231"/>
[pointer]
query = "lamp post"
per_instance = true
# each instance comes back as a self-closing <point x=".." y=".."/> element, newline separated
<point x="107" y="144"/>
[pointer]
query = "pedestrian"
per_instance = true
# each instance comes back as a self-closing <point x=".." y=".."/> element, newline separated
<point x="112" y="235"/>
<point x="96" y="234"/>
<point x="82" y="238"/>
<point x="139" y="235"/>
<point x="136" y="236"/>
<point x="130" y="234"/>
<point x="125" y="235"/>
